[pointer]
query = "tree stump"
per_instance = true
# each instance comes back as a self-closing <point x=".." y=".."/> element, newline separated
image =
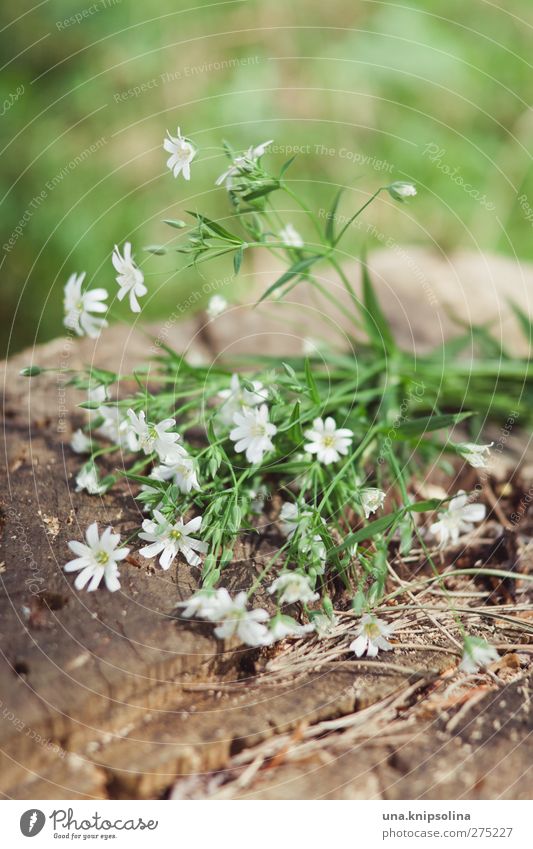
<point x="112" y="696"/>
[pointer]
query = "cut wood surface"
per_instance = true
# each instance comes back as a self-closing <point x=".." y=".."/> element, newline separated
<point x="111" y="695"/>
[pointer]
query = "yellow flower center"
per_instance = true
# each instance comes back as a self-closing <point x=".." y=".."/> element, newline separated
<point x="328" y="441"/>
<point x="176" y="535"/>
<point x="372" y="630"/>
<point x="102" y="558"/>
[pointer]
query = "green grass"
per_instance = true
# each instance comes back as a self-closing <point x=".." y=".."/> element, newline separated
<point x="364" y="87"/>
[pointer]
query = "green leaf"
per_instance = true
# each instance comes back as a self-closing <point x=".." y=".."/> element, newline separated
<point x="216" y="228"/>
<point x="330" y="218"/>
<point x="311" y="383"/>
<point x="294" y="271"/>
<point x="295" y="428"/>
<point x="380" y="525"/>
<point x="377" y="325"/>
<point x="426" y="424"/>
<point x="30" y="371"/>
<point x="261" y="191"/>
<point x="159" y="250"/>
<point x="524" y="320"/>
<point x="286" y="165"/>
<point x="237" y="260"/>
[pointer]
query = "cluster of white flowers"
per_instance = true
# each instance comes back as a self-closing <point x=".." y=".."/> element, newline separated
<point x="251" y="627"/>
<point x="79" y="305"/>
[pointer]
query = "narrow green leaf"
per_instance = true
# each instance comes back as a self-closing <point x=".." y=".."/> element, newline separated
<point x="377" y="325"/>
<point x="294" y="271"/>
<point x="174" y="222"/>
<point x="330" y="218"/>
<point x="286" y="165"/>
<point x="426" y="424"/>
<point x="524" y="321"/>
<point x="215" y="227"/>
<point x="311" y="383"/>
<point x="237" y="260"/>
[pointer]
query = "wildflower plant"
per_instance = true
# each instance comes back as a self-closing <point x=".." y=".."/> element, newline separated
<point x="319" y="435"/>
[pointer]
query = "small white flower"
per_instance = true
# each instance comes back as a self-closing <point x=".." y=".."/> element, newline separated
<point x="311" y="347"/>
<point x="182" y="154"/>
<point x="372" y="636"/>
<point x="476" y="455"/>
<point x="80" y="442"/>
<point x="181" y="471"/>
<point x="234" y="619"/>
<point x="252" y="433"/>
<point x="477" y="653"/>
<point x="114" y="427"/>
<point x="458" y="519"/>
<point x="170" y="538"/>
<point x="129" y="278"/>
<point x="401" y="190"/>
<point x="282" y="626"/>
<point x="291" y="237"/>
<point x="237" y="398"/>
<point x="293" y="587"/>
<point x="149" y="437"/>
<point x="371" y="499"/>
<point x="79" y="306"/>
<point x="242" y="163"/>
<point x="327" y="441"/>
<point x="204" y="604"/>
<point x="216" y="306"/>
<point x="96" y="559"/>
<point x="87" y="478"/>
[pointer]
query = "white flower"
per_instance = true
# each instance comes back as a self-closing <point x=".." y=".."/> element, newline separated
<point x="476" y="654"/>
<point x="242" y="163"/>
<point x="216" y="306"/>
<point x="129" y="278"/>
<point x="372" y="636"/>
<point x="327" y="441"/>
<point x="149" y="437"/>
<point x="182" y="154"/>
<point x="458" y="519"/>
<point x="401" y="190"/>
<point x="237" y="398"/>
<point x="80" y="442"/>
<point x="282" y="626"/>
<point x="292" y="587"/>
<point x="476" y="455"/>
<point x="115" y="426"/>
<point x="79" y="306"/>
<point x="291" y="237"/>
<point x="371" y="499"/>
<point x="170" y="538"/>
<point x="181" y="471"/>
<point x="87" y="479"/>
<point x="97" y="559"/>
<point x="253" y="433"/>
<point x="203" y="604"/>
<point x="234" y="619"/>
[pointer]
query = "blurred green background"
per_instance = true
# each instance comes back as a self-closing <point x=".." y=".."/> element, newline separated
<point x="431" y="91"/>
